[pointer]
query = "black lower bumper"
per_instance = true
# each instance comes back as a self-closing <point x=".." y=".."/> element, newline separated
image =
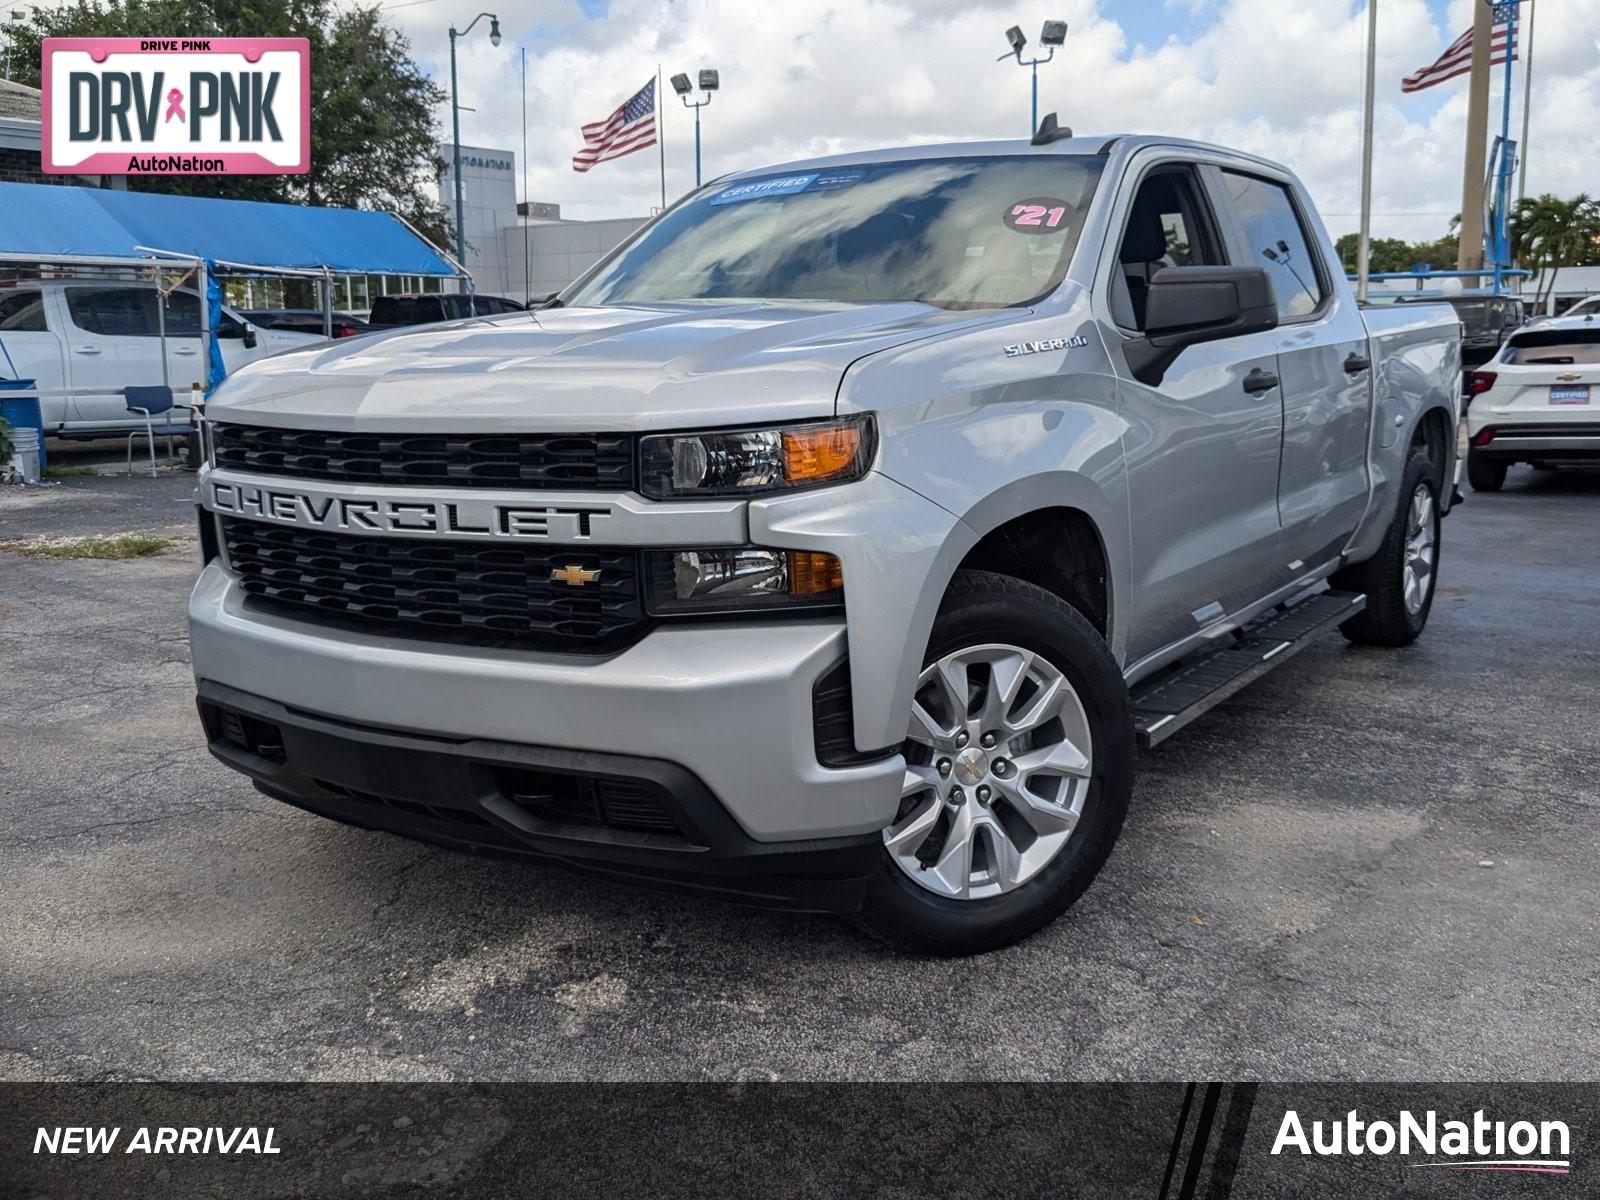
<point x="641" y="820"/>
<point x="1568" y="441"/>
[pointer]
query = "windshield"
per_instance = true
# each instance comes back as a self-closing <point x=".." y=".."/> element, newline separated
<point x="956" y="232"/>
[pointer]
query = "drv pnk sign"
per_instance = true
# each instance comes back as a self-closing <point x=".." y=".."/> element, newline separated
<point x="177" y="106"/>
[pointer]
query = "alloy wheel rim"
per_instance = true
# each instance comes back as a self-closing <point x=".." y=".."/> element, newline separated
<point x="998" y="764"/>
<point x="1417" y="573"/>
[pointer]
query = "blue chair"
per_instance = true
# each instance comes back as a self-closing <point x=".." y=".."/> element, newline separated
<point x="148" y="402"/>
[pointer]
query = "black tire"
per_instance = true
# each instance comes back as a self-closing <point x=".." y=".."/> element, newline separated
<point x="1485" y="474"/>
<point x="982" y="607"/>
<point x="1387" y="621"/>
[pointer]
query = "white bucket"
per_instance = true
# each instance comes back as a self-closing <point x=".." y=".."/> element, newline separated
<point x="25" y="454"/>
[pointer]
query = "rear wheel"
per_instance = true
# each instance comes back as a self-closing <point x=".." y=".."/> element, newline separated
<point x="1399" y="579"/>
<point x="1485" y="474"/>
<point x="1019" y="765"/>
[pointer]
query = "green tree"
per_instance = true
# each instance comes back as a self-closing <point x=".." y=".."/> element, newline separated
<point x="1548" y="233"/>
<point x="372" y="138"/>
<point x="1384" y="254"/>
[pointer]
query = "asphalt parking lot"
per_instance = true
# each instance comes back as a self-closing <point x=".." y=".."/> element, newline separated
<point x="1371" y="865"/>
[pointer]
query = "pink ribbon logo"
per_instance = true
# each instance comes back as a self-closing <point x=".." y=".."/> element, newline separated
<point x="174" y="106"/>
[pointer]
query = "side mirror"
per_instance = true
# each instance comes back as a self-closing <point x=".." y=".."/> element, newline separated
<point x="250" y="338"/>
<point x="1185" y="306"/>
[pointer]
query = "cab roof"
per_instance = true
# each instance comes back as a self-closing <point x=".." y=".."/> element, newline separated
<point x="1123" y="144"/>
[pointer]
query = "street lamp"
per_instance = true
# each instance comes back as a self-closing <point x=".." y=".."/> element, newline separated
<point x="709" y="82"/>
<point x="1052" y="35"/>
<point x="455" y="122"/>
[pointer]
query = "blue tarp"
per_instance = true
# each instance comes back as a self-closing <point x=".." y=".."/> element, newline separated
<point x="49" y="221"/>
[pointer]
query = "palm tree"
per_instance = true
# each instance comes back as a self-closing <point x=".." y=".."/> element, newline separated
<point x="1548" y="233"/>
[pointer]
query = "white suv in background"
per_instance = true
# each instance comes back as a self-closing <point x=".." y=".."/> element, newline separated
<point x="86" y="340"/>
<point x="1537" y="401"/>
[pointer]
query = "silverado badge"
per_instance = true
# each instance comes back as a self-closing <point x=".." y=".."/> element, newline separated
<point x="1039" y="347"/>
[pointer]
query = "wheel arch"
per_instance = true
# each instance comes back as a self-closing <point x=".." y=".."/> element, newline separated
<point x="1434" y="432"/>
<point x="1071" y="515"/>
<point x="1060" y="549"/>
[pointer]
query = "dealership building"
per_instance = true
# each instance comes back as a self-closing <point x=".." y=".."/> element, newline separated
<point x="504" y="237"/>
<point x="21" y="137"/>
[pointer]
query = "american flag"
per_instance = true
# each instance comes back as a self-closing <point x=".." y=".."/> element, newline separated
<point x="1457" y="60"/>
<point x="632" y="127"/>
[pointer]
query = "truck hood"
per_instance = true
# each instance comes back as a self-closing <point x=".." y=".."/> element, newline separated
<point x="570" y="369"/>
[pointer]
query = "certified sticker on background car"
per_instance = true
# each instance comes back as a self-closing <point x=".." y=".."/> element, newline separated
<point x="1569" y="394"/>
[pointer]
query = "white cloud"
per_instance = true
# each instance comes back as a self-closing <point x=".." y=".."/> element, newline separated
<point x="800" y="77"/>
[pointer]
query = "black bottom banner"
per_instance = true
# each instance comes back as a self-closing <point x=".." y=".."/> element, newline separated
<point x="1160" y="1141"/>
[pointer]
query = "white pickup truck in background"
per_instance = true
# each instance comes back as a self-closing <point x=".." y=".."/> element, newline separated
<point x="86" y="340"/>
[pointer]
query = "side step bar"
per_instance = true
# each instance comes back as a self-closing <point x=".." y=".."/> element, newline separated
<point x="1166" y="702"/>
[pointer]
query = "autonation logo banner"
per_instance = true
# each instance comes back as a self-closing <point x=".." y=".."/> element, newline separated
<point x="177" y="106"/>
<point x="1476" y="1143"/>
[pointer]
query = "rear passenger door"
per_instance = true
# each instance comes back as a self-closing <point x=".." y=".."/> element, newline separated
<point x="1201" y="447"/>
<point x="1324" y="369"/>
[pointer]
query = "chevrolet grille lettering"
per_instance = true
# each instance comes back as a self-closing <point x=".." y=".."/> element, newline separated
<point x="454" y="518"/>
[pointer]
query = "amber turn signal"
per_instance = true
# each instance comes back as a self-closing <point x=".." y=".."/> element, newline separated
<point x="812" y="573"/>
<point x="820" y="452"/>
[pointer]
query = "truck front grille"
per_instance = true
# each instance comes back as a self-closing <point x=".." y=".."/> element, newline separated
<point x="440" y="590"/>
<point x="575" y="462"/>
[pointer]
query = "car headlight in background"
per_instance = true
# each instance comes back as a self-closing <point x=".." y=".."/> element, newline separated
<point x="751" y="462"/>
<point x="742" y="579"/>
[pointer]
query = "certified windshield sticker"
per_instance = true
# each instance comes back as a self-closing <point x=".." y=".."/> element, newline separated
<point x="1041" y="214"/>
<point x="783" y="185"/>
<point x="788" y="185"/>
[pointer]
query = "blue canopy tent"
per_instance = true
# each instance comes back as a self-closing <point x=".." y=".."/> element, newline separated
<point x="43" y="223"/>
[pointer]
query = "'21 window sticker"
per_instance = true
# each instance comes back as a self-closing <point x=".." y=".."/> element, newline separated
<point x="1039" y="214"/>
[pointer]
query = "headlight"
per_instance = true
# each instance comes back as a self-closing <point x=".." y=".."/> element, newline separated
<point x="742" y="579"/>
<point x="748" y="462"/>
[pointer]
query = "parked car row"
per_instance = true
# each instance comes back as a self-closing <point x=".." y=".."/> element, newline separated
<point x="87" y="340"/>
<point x="305" y="320"/>
<point x="426" y="308"/>
<point x="1534" y="400"/>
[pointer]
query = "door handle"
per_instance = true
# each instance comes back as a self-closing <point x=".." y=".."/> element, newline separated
<point x="86" y="350"/>
<point x="1356" y="363"/>
<point x="186" y="351"/>
<point x="1259" y="381"/>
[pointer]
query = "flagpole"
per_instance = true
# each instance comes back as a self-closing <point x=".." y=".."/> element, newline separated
<point x="661" y="138"/>
<point x="1364" y="244"/>
<point x="1527" y="100"/>
<point x="1469" y="252"/>
<point x="527" y="260"/>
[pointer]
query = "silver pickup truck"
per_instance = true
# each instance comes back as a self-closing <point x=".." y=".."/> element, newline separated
<point x="835" y="541"/>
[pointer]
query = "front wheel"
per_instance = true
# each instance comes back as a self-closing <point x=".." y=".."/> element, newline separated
<point x="1399" y="579"/>
<point x="1019" y="766"/>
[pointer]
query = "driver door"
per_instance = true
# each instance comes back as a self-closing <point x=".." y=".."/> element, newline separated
<point x="1202" y="446"/>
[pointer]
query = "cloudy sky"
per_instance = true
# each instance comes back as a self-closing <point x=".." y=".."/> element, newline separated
<point x="801" y="77"/>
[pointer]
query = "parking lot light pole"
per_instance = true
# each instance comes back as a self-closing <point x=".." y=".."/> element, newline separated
<point x="709" y="82"/>
<point x="455" y="122"/>
<point x="1052" y="35"/>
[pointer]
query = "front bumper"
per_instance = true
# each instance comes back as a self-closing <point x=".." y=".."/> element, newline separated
<point x="636" y="819"/>
<point x="731" y="704"/>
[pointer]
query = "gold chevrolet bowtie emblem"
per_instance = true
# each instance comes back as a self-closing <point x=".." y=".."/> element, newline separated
<point x="1569" y="377"/>
<point x="573" y="575"/>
